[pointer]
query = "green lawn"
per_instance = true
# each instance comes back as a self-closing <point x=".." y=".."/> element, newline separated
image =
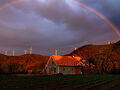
<point x="66" y="82"/>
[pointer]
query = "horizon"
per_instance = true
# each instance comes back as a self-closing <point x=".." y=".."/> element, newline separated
<point x="53" y="52"/>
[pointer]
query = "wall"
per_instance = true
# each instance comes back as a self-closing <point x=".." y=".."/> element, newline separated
<point x="52" y="67"/>
<point x="69" y="70"/>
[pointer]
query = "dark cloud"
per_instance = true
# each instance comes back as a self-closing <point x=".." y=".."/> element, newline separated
<point x="50" y="24"/>
<point x="109" y="8"/>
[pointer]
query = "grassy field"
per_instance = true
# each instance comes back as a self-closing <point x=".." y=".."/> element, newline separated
<point x="67" y="82"/>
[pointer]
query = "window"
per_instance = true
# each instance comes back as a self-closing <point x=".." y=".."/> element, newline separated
<point x="69" y="69"/>
<point x="54" y="69"/>
<point x="63" y="68"/>
<point x="52" y="62"/>
<point x="72" y="69"/>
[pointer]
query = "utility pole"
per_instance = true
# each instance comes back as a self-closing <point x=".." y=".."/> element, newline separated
<point x="31" y="50"/>
<point x="5" y="52"/>
<point x="25" y="51"/>
<point x="13" y="52"/>
<point x="56" y="52"/>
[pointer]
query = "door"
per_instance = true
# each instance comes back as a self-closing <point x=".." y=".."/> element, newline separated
<point x="52" y="70"/>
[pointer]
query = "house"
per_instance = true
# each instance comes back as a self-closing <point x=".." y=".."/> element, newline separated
<point x="64" y="64"/>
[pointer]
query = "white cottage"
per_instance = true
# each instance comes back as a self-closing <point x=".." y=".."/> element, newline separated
<point x="63" y="64"/>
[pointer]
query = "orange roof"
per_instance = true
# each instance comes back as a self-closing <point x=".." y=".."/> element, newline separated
<point x="66" y="60"/>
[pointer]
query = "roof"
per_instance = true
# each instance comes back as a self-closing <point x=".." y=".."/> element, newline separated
<point x="66" y="60"/>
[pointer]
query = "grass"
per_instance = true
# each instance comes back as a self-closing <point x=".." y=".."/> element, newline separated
<point x="55" y="82"/>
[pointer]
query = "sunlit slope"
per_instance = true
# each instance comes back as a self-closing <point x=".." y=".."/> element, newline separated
<point x="105" y="57"/>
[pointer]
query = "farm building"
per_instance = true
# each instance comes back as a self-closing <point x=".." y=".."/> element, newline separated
<point x="64" y="64"/>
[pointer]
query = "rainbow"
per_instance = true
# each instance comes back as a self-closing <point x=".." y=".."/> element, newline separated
<point x="78" y="3"/>
<point x="10" y="3"/>
<point x="99" y="14"/>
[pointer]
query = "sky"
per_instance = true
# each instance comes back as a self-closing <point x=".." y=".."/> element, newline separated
<point x="46" y="25"/>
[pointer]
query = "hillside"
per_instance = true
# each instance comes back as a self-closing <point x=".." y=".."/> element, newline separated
<point x="22" y="63"/>
<point x="105" y="57"/>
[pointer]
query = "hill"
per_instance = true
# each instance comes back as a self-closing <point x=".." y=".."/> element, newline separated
<point x="14" y="64"/>
<point x="105" y="57"/>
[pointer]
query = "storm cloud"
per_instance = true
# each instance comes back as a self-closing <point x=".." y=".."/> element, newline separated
<point x="56" y="24"/>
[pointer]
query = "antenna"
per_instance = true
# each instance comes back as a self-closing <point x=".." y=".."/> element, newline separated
<point x="31" y="50"/>
<point x="5" y="52"/>
<point x="56" y="51"/>
<point x="13" y="52"/>
<point x="25" y="51"/>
